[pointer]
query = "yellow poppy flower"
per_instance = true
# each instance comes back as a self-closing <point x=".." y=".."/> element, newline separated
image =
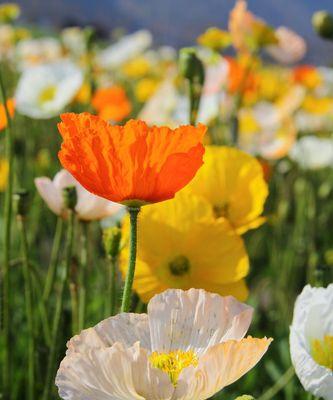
<point x="181" y="245"/>
<point x="215" y="38"/>
<point x="145" y="88"/>
<point x="232" y="181"/>
<point x="136" y="68"/>
<point x="4" y="169"/>
<point x="321" y="106"/>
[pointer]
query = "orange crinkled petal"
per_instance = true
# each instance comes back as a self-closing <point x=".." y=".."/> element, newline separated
<point x="130" y="162"/>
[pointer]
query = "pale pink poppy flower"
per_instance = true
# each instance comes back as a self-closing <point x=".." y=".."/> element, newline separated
<point x="291" y="47"/>
<point x="189" y="345"/>
<point x="88" y="208"/>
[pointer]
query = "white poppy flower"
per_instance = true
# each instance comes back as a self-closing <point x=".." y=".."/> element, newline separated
<point x="33" y="52"/>
<point x="45" y="90"/>
<point x="124" y="50"/>
<point x="291" y="47"/>
<point x="190" y="345"/>
<point x="311" y="340"/>
<point x="312" y="152"/>
<point x="89" y="207"/>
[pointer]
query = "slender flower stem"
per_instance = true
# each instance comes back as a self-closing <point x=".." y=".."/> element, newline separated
<point x="29" y="308"/>
<point x="83" y="275"/>
<point x="53" y="260"/>
<point x="126" y="302"/>
<point x="111" y="301"/>
<point x="6" y="364"/>
<point x="279" y="385"/>
<point x="59" y="305"/>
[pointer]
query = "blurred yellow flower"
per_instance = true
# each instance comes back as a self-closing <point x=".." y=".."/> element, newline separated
<point x="248" y="123"/>
<point x="84" y="94"/>
<point x="136" y="68"/>
<point x="4" y="169"/>
<point x="271" y="84"/>
<point x="215" y="38"/>
<point x="316" y="105"/>
<point x="233" y="183"/>
<point x="9" y="12"/>
<point x="182" y="246"/>
<point x="145" y="88"/>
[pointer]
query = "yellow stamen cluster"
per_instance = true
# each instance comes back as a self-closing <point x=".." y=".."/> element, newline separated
<point x="322" y="351"/>
<point x="174" y="362"/>
<point x="47" y="94"/>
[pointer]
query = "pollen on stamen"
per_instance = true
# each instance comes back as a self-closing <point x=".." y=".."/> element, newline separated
<point x="173" y="362"/>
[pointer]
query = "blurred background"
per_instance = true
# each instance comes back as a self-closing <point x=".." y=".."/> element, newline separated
<point x="178" y="22"/>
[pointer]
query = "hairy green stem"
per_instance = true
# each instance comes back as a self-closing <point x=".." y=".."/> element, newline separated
<point x="29" y="309"/>
<point x="51" y="272"/>
<point x="83" y="275"/>
<point x="59" y="305"/>
<point x="127" y="294"/>
<point x="6" y="361"/>
<point x="279" y="385"/>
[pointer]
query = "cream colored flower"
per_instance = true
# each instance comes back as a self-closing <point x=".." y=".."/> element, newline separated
<point x="311" y="340"/>
<point x="291" y="47"/>
<point x="312" y="152"/>
<point x="45" y="90"/>
<point x="89" y="207"/>
<point x="190" y="345"/>
<point x="33" y="52"/>
<point x="124" y="50"/>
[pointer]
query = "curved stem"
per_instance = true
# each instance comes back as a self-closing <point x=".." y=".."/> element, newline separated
<point x="127" y="294"/>
<point x="53" y="260"/>
<point x="29" y="308"/>
<point x="59" y="305"/>
<point x="83" y="275"/>
<point x="6" y="364"/>
<point x="279" y="385"/>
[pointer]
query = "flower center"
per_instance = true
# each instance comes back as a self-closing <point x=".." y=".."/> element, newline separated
<point x="47" y="94"/>
<point x="179" y="266"/>
<point x="174" y="362"/>
<point x="322" y="351"/>
<point x="221" y="210"/>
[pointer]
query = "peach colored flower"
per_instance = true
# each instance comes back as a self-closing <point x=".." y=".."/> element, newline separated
<point x="89" y="207"/>
<point x="190" y="345"/>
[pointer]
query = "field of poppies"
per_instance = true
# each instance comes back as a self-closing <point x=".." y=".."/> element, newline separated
<point x="166" y="214"/>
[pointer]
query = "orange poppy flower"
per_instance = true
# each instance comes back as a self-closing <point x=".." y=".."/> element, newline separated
<point x="112" y="104"/>
<point x="239" y="79"/>
<point x="307" y="75"/>
<point x="3" y="116"/>
<point x="132" y="164"/>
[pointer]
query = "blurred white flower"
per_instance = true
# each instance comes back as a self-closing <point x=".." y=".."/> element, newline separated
<point x="89" y="207"/>
<point x="44" y="91"/>
<point x="190" y="345"/>
<point x="32" y="52"/>
<point x="311" y="340"/>
<point x="124" y="50"/>
<point x="312" y="152"/>
<point x="74" y="41"/>
<point x="216" y="75"/>
<point x="291" y="47"/>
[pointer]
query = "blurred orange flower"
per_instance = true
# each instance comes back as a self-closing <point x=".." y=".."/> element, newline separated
<point x="112" y="103"/>
<point x="132" y="164"/>
<point x="240" y="78"/>
<point x="3" y="116"/>
<point x="307" y="75"/>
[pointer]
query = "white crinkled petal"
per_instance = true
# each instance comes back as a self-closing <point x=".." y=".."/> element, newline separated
<point x="195" y="319"/>
<point x="50" y="194"/>
<point x="313" y="319"/>
<point x="110" y="373"/>
<point x="126" y="328"/>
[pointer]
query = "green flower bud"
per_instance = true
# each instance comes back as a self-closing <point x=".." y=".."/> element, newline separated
<point x="111" y="240"/>
<point x="21" y="202"/>
<point x="69" y="195"/>
<point x="190" y="65"/>
<point x="322" y="22"/>
<point x="245" y="397"/>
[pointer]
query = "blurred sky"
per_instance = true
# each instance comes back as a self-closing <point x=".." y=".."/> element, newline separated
<point x="178" y="22"/>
